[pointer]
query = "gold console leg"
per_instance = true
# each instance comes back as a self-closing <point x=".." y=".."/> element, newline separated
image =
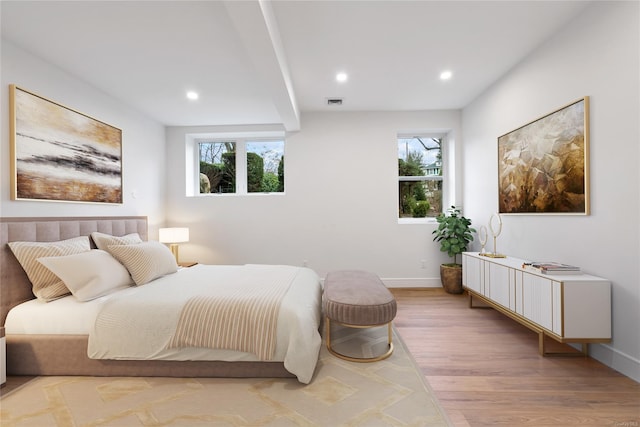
<point x="543" y="352"/>
<point x="476" y="306"/>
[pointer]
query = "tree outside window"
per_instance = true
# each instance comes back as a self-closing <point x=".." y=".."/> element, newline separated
<point x="218" y="165"/>
<point x="419" y="176"/>
<point x="265" y="166"/>
<point x="220" y="172"/>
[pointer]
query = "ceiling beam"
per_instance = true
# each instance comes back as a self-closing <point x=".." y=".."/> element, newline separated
<point x="256" y="25"/>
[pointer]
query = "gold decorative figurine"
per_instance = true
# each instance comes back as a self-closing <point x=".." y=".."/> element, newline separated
<point x="482" y="237"/>
<point x="495" y="232"/>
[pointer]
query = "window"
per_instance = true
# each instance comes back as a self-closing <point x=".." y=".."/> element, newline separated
<point x="420" y="176"/>
<point x="265" y="166"/>
<point x="218" y="165"/>
<point x="241" y="166"/>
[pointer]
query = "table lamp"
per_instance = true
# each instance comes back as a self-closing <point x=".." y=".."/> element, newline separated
<point x="173" y="236"/>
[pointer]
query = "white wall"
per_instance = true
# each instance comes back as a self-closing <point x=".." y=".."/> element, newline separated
<point x="597" y="55"/>
<point x="143" y="141"/>
<point x="340" y="206"/>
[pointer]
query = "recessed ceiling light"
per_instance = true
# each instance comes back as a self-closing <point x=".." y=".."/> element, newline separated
<point x="342" y="77"/>
<point x="446" y="75"/>
<point x="192" y="95"/>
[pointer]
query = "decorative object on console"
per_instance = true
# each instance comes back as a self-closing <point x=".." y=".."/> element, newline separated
<point x="482" y="237"/>
<point x="543" y="166"/>
<point x="454" y="234"/>
<point x="59" y="154"/>
<point x="173" y="236"/>
<point x="495" y="232"/>
<point x="550" y="268"/>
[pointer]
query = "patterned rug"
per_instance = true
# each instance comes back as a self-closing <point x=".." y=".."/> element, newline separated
<point x="391" y="392"/>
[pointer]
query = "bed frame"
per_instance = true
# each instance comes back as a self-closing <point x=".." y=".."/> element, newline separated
<point x="67" y="354"/>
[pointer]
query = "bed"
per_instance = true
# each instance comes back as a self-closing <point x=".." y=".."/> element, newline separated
<point x="86" y="337"/>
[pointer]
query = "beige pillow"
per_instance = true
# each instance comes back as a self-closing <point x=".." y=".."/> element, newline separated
<point x="145" y="261"/>
<point x="46" y="286"/>
<point x="89" y="275"/>
<point x="103" y="240"/>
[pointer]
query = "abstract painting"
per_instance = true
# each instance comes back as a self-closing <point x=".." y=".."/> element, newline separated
<point x="59" y="154"/>
<point x="543" y="166"/>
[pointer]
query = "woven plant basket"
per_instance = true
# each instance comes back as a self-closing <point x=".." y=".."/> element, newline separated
<point x="451" y="277"/>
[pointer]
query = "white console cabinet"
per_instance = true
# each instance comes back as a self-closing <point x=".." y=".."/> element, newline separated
<point x="573" y="308"/>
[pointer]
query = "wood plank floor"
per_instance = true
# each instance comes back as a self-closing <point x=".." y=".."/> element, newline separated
<point x="486" y="371"/>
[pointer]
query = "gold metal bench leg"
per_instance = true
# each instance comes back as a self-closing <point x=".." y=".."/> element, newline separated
<point x="359" y="359"/>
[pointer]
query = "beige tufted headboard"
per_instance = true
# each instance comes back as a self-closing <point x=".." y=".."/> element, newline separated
<point x="14" y="284"/>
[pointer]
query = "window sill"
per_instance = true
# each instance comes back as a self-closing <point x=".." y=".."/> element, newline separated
<point x="237" y="194"/>
<point x="427" y="220"/>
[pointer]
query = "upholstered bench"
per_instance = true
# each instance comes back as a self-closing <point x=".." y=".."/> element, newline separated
<point x="357" y="299"/>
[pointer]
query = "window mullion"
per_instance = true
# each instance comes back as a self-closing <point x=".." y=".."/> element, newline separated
<point x="241" y="166"/>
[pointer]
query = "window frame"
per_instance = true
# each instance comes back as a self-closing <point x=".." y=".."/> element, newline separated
<point x="240" y="139"/>
<point x="446" y="177"/>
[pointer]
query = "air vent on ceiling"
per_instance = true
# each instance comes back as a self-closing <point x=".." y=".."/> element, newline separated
<point x="334" y="101"/>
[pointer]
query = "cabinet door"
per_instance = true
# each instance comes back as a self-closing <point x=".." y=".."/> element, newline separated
<point x="557" y="304"/>
<point x="472" y="273"/>
<point x="518" y="293"/>
<point x="500" y="286"/>
<point x="537" y="300"/>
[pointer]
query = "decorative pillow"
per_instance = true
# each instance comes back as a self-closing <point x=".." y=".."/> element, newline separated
<point x="46" y="286"/>
<point x="89" y="275"/>
<point x="103" y="241"/>
<point x="145" y="261"/>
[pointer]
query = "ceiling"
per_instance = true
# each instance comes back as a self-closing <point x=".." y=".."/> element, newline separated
<point x="263" y="62"/>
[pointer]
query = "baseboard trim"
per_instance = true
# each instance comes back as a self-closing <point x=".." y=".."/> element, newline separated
<point x="423" y="282"/>
<point x="616" y="359"/>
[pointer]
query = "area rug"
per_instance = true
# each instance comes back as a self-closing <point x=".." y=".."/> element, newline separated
<point x="391" y="392"/>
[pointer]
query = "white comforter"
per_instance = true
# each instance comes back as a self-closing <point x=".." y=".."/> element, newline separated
<point x="298" y="339"/>
<point x="144" y="332"/>
<point x="138" y="323"/>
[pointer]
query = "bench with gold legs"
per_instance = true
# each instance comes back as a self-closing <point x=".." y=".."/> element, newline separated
<point x="357" y="299"/>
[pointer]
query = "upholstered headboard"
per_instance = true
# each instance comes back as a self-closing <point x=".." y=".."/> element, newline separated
<point x="14" y="284"/>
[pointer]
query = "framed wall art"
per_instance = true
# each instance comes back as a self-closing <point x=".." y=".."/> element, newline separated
<point x="543" y="166"/>
<point x="59" y="154"/>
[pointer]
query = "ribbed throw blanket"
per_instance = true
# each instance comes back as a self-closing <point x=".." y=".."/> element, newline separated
<point x="242" y="317"/>
<point x="140" y="322"/>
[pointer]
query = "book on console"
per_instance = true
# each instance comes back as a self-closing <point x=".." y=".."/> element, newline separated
<point x="551" y="272"/>
<point x="551" y="268"/>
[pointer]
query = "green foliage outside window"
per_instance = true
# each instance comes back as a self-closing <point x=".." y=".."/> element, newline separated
<point x="255" y="173"/>
<point x="222" y="176"/>
<point x="281" y="175"/>
<point x="420" y="176"/>
<point x="412" y="192"/>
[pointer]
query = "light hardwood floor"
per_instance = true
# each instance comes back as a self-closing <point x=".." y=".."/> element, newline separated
<point x="485" y="369"/>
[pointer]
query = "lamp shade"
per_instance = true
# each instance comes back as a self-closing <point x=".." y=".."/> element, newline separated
<point x="174" y="235"/>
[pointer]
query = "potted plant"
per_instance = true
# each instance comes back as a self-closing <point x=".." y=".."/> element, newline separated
<point x="454" y="234"/>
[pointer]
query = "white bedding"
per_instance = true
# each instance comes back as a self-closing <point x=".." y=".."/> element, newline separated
<point x="298" y="338"/>
<point x="64" y="316"/>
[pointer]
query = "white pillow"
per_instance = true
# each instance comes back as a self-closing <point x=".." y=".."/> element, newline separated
<point x="103" y="241"/>
<point x="46" y="286"/>
<point x="89" y="275"/>
<point x="145" y="261"/>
